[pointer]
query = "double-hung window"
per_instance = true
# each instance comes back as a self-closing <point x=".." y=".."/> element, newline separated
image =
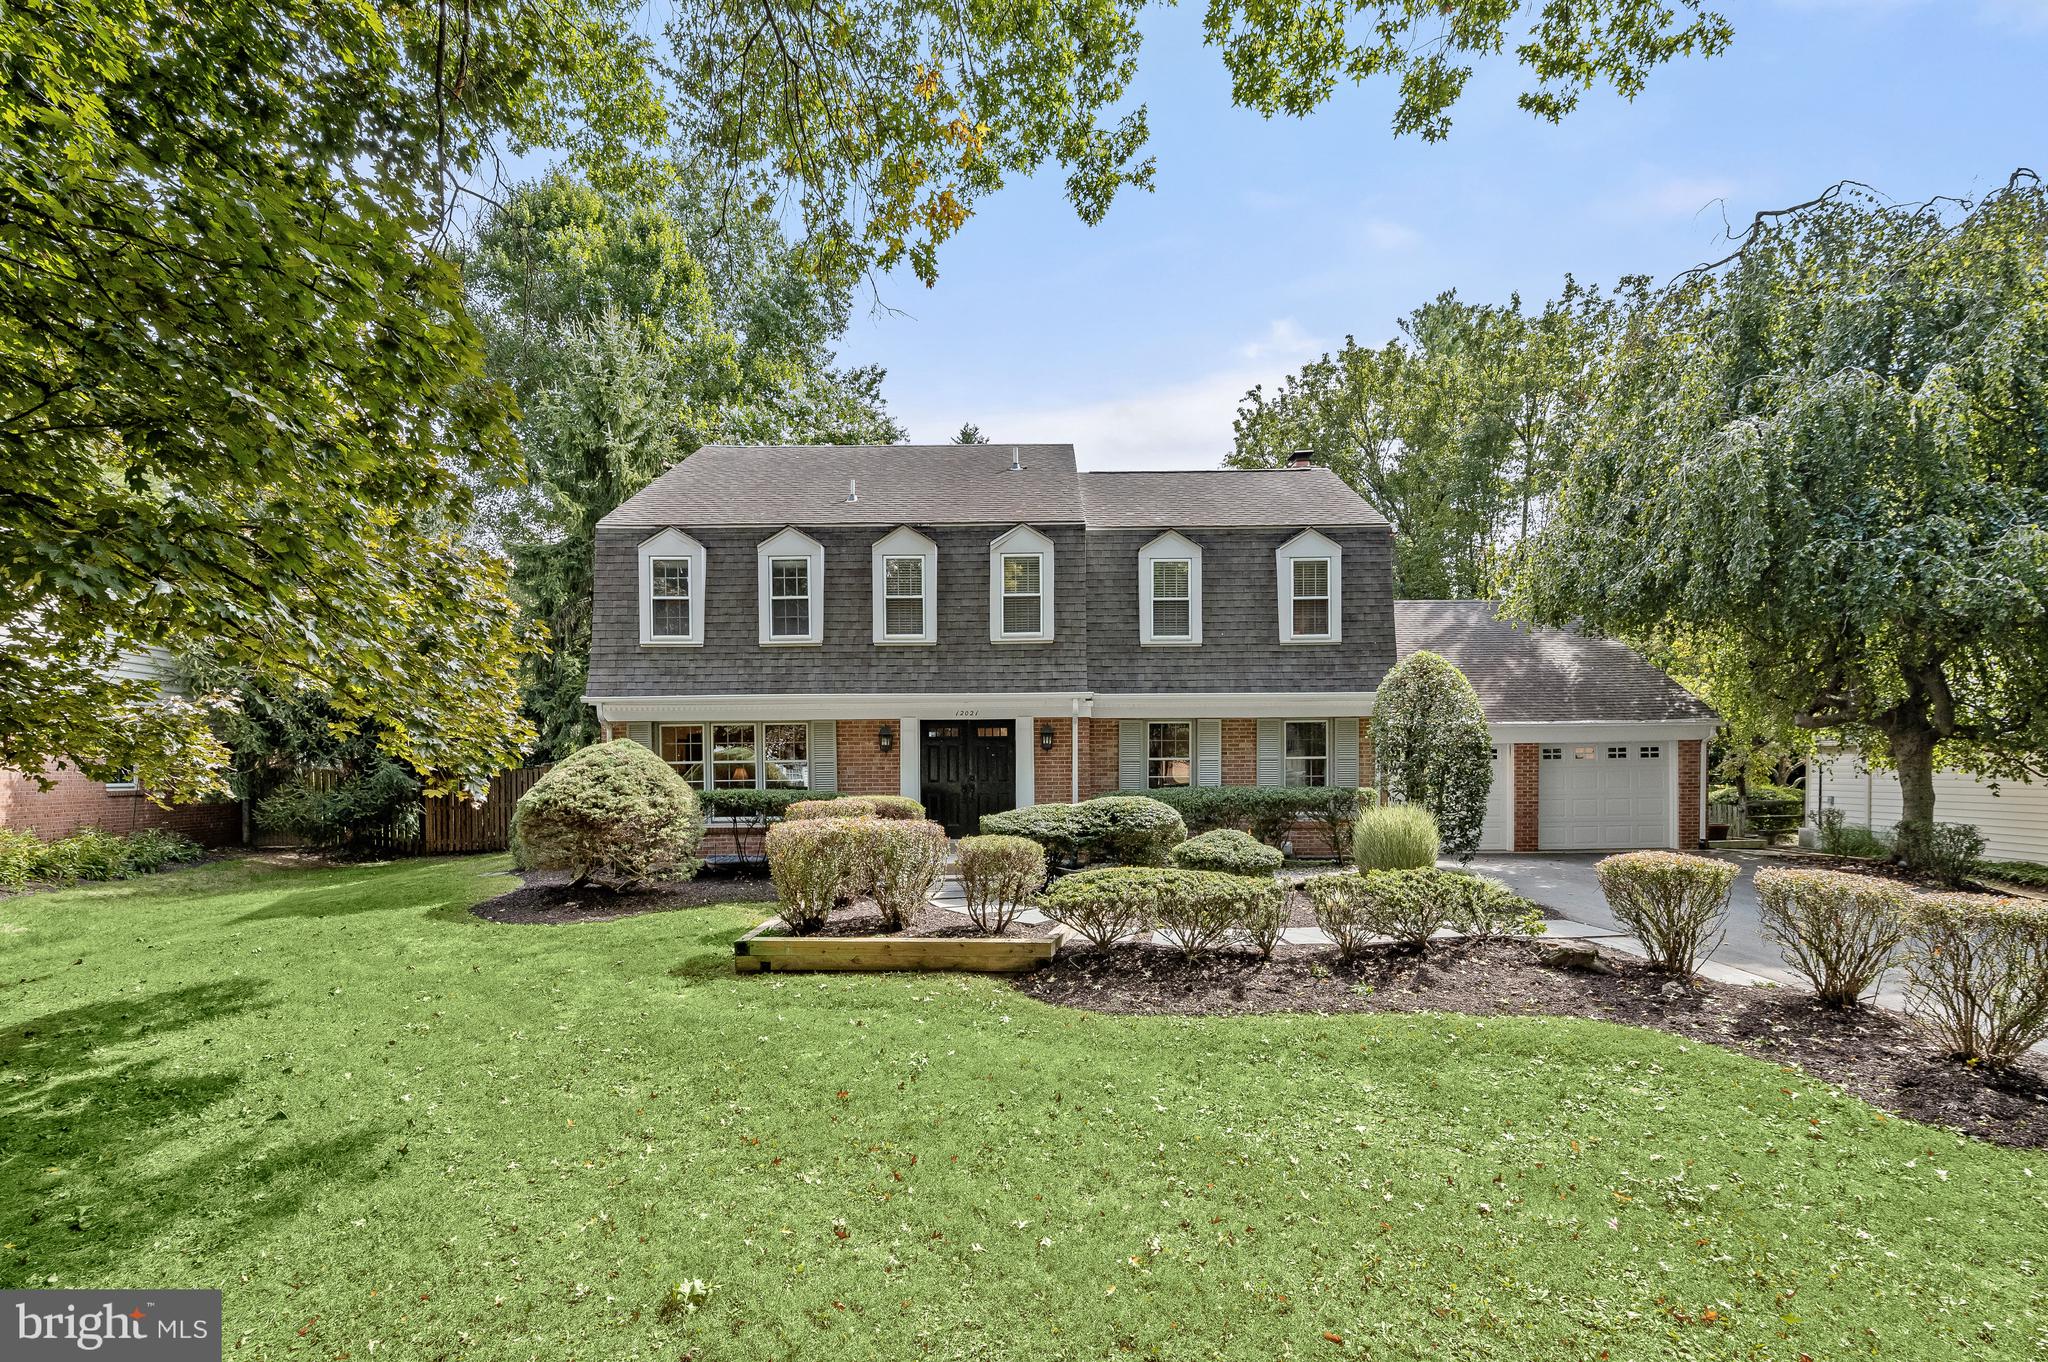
<point x="792" y="588"/>
<point x="1311" y="601"/>
<point x="682" y="747"/>
<point x="1170" y="591"/>
<point x="1310" y="568"/>
<point x="903" y="597"/>
<point x="1023" y="594"/>
<point x="1020" y="587"/>
<point x="670" y="597"/>
<point x="1169" y="755"/>
<point x="1307" y="752"/>
<point x="1172" y="587"/>
<point x="732" y="757"/>
<point x="741" y="756"/>
<point x="789" y="598"/>
<point x="671" y="591"/>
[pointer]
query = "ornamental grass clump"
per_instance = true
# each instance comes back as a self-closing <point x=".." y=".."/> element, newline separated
<point x="1977" y="974"/>
<point x="1229" y="852"/>
<point x="1838" y="930"/>
<point x="817" y="863"/>
<point x="1674" y="903"/>
<point x="906" y="862"/>
<point x="612" y="814"/>
<point x="1394" y="837"/>
<point x="1102" y="906"/>
<point x="998" y="876"/>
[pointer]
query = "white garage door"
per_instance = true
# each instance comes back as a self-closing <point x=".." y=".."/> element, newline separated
<point x="1604" y="796"/>
<point x="1497" y="833"/>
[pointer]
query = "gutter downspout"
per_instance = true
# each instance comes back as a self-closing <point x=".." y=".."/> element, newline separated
<point x="1074" y="754"/>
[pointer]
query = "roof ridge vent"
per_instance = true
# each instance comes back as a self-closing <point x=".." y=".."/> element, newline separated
<point x="1016" y="458"/>
<point x="852" y="491"/>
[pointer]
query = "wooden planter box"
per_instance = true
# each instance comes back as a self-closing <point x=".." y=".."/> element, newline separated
<point x="758" y="953"/>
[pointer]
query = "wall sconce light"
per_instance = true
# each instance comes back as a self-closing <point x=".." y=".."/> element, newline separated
<point x="1045" y="737"/>
<point x="885" y="738"/>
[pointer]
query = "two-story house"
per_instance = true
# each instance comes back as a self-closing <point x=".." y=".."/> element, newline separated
<point x="981" y="627"/>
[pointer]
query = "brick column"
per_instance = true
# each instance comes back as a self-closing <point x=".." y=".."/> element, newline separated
<point x="1691" y="759"/>
<point x="1366" y="773"/>
<point x="1528" y="776"/>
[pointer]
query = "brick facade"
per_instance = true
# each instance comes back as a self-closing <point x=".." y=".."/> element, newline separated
<point x="864" y="768"/>
<point x="75" y="802"/>
<point x="1052" y="773"/>
<point x="1528" y="773"/>
<point x="1240" y="751"/>
<point x="1691" y="756"/>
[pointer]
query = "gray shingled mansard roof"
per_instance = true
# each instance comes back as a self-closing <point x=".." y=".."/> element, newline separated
<point x="975" y="485"/>
<point x="898" y="484"/>
<point x="1542" y="675"/>
<point x="1222" y="498"/>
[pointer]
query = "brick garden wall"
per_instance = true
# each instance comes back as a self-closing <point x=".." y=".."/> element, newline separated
<point x="75" y="802"/>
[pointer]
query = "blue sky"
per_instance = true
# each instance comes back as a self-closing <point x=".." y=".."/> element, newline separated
<point x="1267" y="242"/>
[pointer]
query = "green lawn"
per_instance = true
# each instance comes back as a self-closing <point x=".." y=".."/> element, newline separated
<point x="386" y="1128"/>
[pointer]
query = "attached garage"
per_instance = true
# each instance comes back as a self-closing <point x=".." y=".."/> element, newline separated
<point x="1604" y="796"/>
<point x="1497" y="833"/>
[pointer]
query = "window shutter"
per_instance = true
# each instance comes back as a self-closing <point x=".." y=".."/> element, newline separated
<point x="1271" y="771"/>
<point x="1208" y="751"/>
<point x="825" y="756"/>
<point x="1344" y="752"/>
<point x="644" y="735"/>
<point x="1130" y="754"/>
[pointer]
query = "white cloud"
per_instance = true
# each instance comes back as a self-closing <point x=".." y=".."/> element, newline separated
<point x="1181" y="423"/>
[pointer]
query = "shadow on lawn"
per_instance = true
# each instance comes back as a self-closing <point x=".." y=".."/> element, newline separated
<point x="104" y="1154"/>
<point x="418" y="888"/>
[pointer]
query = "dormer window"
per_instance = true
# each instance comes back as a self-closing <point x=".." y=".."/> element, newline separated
<point x="906" y="577"/>
<point x="1310" y="568"/>
<point x="1020" y="587"/>
<point x="792" y="589"/>
<point x="671" y="591"/>
<point x="1170" y="591"/>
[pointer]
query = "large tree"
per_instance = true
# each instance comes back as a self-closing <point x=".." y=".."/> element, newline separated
<point x="1455" y="430"/>
<point x="1820" y="467"/>
<point x="634" y="327"/>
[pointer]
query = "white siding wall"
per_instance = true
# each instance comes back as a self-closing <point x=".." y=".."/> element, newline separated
<point x="2014" y="820"/>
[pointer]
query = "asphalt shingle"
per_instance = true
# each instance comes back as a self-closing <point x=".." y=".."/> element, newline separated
<point x="1220" y="498"/>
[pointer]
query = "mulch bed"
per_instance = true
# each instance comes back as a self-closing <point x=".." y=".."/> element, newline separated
<point x="862" y="918"/>
<point x="1876" y="1055"/>
<point x="546" y="898"/>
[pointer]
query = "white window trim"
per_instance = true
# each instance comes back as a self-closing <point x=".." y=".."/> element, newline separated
<point x="1193" y="753"/>
<point x="1309" y="545"/>
<point x="1328" y="758"/>
<point x="1019" y="541"/>
<point x="759" y="741"/>
<point x="906" y="543"/>
<point x="792" y="543"/>
<point x="672" y="544"/>
<point x="1169" y="548"/>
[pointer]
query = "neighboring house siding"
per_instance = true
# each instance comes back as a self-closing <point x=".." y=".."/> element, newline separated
<point x="1240" y="648"/>
<point x="74" y="802"/>
<point x="732" y="660"/>
<point x="2014" y="820"/>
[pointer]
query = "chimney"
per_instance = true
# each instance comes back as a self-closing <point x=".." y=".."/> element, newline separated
<point x="852" y="491"/>
<point x="1302" y="458"/>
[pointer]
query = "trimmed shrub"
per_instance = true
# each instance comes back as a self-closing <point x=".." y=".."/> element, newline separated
<point x="999" y="875"/>
<point x="1977" y="974"/>
<point x="1839" y="837"/>
<point x="1947" y="851"/>
<point x="1674" y="903"/>
<point x="851" y="806"/>
<point x="905" y="862"/>
<point x="1432" y="749"/>
<point x="2029" y="873"/>
<point x="899" y="807"/>
<point x="1268" y="812"/>
<point x="1394" y="837"/>
<point x="1123" y="829"/>
<point x="1104" y="906"/>
<point x="1261" y="922"/>
<point x="612" y="813"/>
<point x="816" y="863"/>
<point x="753" y="810"/>
<point x="152" y="849"/>
<point x="1839" y="931"/>
<point x="1229" y="851"/>
<point x="1344" y="910"/>
<point x="1197" y="909"/>
<point x="1485" y="909"/>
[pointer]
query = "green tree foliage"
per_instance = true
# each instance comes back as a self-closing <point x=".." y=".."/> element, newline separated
<point x="632" y="328"/>
<point x="1818" y="467"/>
<point x="969" y="434"/>
<point x="1455" y="430"/>
<point x="239" y="401"/>
<point x="1431" y="747"/>
<point x="889" y="120"/>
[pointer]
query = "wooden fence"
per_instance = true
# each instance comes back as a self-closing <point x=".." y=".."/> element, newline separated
<point x="450" y="823"/>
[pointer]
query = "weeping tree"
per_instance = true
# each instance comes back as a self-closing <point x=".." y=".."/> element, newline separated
<point x="1817" y="469"/>
<point x="1430" y="747"/>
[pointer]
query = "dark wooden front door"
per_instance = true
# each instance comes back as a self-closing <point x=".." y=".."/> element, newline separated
<point x="970" y="768"/>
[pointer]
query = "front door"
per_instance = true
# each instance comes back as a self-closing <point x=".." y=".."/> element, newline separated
<point x="970" y="768"/>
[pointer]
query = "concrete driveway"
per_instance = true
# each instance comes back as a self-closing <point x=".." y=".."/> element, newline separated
<point x="1565" y="882"/>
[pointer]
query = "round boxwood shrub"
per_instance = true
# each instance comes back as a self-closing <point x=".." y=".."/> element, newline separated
<point x="1228" y="851"/>
<point x="612" y="814"/>
<point x="1118" y="829"/>
<point x="1394" y="837"/>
